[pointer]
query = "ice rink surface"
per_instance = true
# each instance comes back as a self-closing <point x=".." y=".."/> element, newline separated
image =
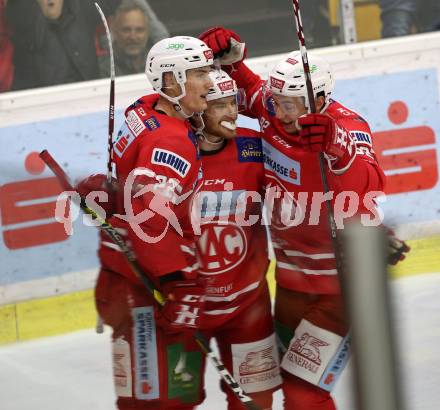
<point x="73" y="371"/>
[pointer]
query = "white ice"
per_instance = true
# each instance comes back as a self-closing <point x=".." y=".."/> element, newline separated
<point x="73" y="371"/>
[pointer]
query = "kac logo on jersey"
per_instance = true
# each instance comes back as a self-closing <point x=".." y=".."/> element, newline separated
<point x="249" y="149"/>
<point x="221" y="247"/>
<point x="171" y="160"/>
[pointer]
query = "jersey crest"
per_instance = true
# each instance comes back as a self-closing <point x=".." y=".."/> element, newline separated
<point x="249" y="149"/>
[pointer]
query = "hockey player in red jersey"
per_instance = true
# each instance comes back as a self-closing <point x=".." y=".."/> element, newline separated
<point x="308" y="311"/>
<point x="233" y="248"/>
<point x="232" y="254"/>
<point x="157" y="162"/>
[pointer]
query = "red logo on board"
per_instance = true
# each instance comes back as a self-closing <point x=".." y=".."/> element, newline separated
<point x="407" y="170"/>
<point x="27" y="209"/>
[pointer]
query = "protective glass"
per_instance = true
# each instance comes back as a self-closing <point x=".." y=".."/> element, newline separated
<point x="293" y="106"/>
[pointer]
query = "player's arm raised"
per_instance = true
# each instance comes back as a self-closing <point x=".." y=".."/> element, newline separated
<point x="230" y="51"/>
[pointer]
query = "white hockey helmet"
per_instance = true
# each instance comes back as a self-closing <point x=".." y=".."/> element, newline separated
<point x="287" y="77"/>
<point x="224" y="85"/>
<point x="177" y="55"/>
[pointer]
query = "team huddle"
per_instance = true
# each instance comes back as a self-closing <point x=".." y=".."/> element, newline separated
<point x="189" y="205"/>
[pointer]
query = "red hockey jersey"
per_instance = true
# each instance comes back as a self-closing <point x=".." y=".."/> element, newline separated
<point x="156" y="156"/>
<point x="299" y="227"/>
<point x="233" y="244"/>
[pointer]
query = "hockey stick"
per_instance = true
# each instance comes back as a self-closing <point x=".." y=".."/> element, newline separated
<point x="146" y="281"/>
<point x="111" y="123"/>
<point x="111" y="110"/>
<point x="312" y="105"/>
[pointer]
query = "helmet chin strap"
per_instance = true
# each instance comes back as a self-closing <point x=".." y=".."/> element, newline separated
<point x="203" y="137"/>
<point x="179" y="109"/>
<point x="199" y="128"/>
<point x="198" y="123"/>
<point x="176" y="102"/>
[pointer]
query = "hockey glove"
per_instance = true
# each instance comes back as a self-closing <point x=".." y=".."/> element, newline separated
<point x="183" y="309"/>
<point x="98" y="183"/>
<point x="321" y="133"/>
<point x="225" y="44"/>
<point x="396" y="248"/>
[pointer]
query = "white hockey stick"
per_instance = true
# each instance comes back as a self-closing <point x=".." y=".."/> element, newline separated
<point x="111" y="123"/>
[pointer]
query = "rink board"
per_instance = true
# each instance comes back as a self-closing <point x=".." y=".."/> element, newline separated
<point x="74" y="311"/>
<point x="392" y="83"/>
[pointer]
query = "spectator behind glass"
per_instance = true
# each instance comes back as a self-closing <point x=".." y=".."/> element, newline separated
<point x="133" y="33"/>
<point x="54" y="40"/>
<point x="400" y="16"/>
<point x="6" y="51"/>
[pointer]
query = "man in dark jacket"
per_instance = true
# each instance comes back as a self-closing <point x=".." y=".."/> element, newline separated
<point x="54" y="40"/>
<point x="135" y="28"/>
